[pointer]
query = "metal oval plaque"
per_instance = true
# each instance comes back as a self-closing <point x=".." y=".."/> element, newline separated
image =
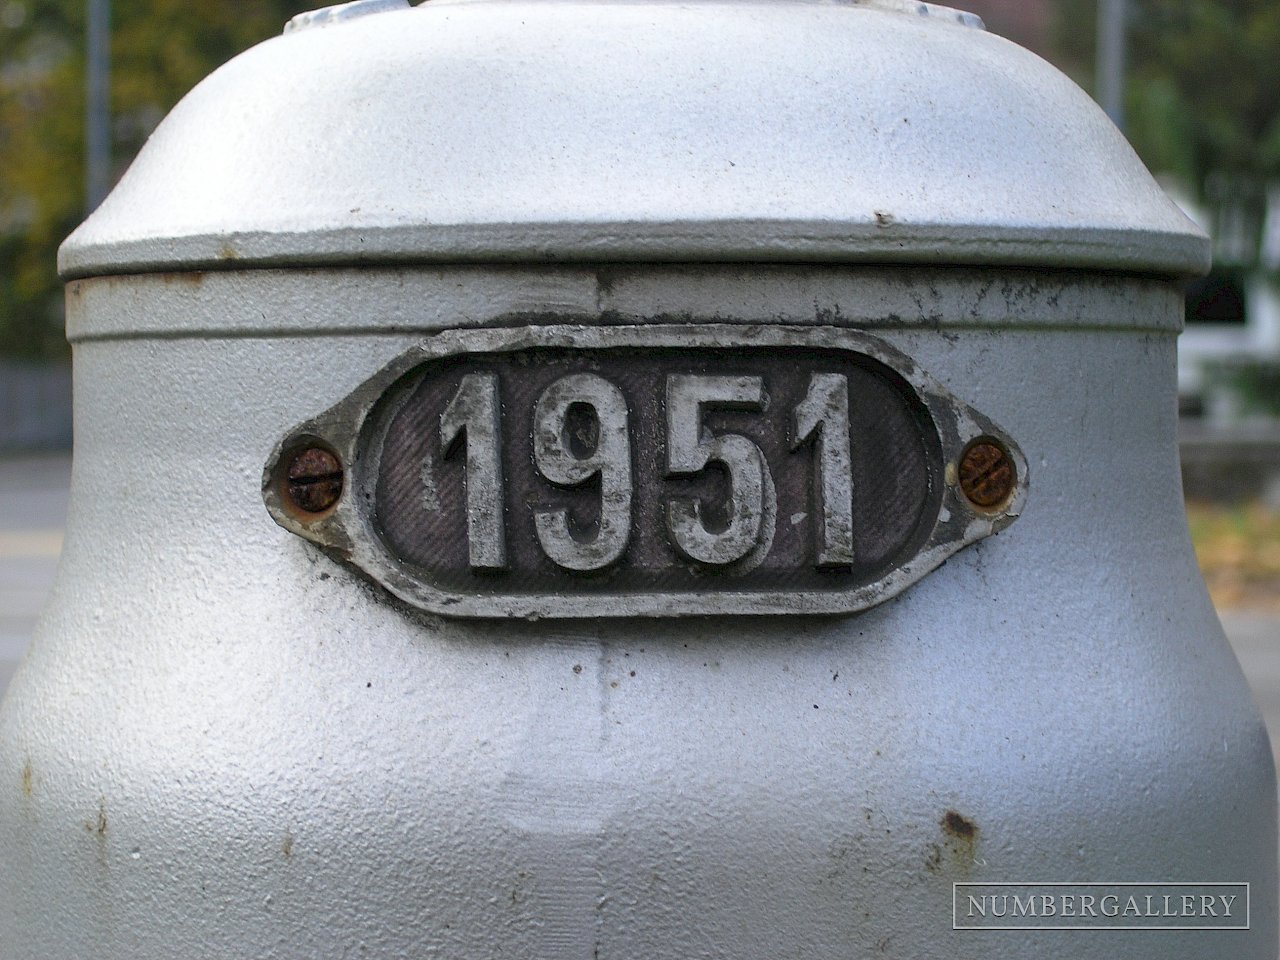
<point x="596" y="471"/>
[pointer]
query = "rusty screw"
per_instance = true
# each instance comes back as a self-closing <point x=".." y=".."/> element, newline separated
<point x="315" y="480"/>
<point x="986" y="474"/>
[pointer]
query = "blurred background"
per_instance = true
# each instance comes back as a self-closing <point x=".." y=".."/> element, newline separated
<point x="1195" y="85"/>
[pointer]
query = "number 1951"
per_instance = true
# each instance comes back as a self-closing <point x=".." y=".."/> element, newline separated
<point x="471" y="426"/>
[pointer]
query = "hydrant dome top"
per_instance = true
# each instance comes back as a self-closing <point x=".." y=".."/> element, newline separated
<point x="834" y="131"/>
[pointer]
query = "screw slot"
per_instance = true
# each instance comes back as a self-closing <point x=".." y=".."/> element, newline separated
<point x="987" y="474"/>
<point x="314" y="480"/>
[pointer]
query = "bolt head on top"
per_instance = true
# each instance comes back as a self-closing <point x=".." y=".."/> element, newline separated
<point x="987" y="474"/>
<point x="314" y="480"/>
<point x="341" y="13"/>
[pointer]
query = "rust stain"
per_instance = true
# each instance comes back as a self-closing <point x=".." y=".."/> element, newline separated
<point x="193" y="278"/>
<point x="987" y="474"/>
<point x="228" y="252"/>
<point x="287" y="846"/>
<point x="28" y="778"/>
<point x="958" y="826"/>
<point x="957" y="854"/>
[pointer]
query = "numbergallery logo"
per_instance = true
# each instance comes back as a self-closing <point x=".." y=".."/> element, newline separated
<point x="1100" y="906"/>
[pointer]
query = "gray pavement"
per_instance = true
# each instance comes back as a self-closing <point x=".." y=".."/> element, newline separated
<point x="1256" y="640"/>
<point x="33" y="506"/>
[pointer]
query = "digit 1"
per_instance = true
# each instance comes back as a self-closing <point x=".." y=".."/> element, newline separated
<point x="823" y="416"/>
<point x="473" y="411"/>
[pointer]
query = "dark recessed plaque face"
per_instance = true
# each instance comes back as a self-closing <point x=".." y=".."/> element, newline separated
<point x="607" y="471"/>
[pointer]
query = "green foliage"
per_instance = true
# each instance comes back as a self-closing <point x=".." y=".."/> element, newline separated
<point x="1202" y="90"/>
<point x="1205" y="87"/>
<point x="1253" y="383"/>
<point x="159" y="50"/>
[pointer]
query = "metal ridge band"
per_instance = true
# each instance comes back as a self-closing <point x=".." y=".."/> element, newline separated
<point x="784" y="241"/>
<point x="424" y="299"/>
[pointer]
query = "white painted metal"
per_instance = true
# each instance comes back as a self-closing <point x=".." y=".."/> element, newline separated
<point x="576" y="129"/>
<point x="224" y="744"/>
<point x="342" y="13"/>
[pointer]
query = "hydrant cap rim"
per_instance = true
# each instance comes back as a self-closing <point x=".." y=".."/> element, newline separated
<point x="585" y="130"/>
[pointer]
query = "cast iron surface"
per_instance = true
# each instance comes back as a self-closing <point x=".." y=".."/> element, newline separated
<point x="459" y="506"/>
<point x="286" y="761"/>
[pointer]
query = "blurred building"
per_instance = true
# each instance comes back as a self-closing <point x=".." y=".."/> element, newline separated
<point x="1229" y="357"/>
